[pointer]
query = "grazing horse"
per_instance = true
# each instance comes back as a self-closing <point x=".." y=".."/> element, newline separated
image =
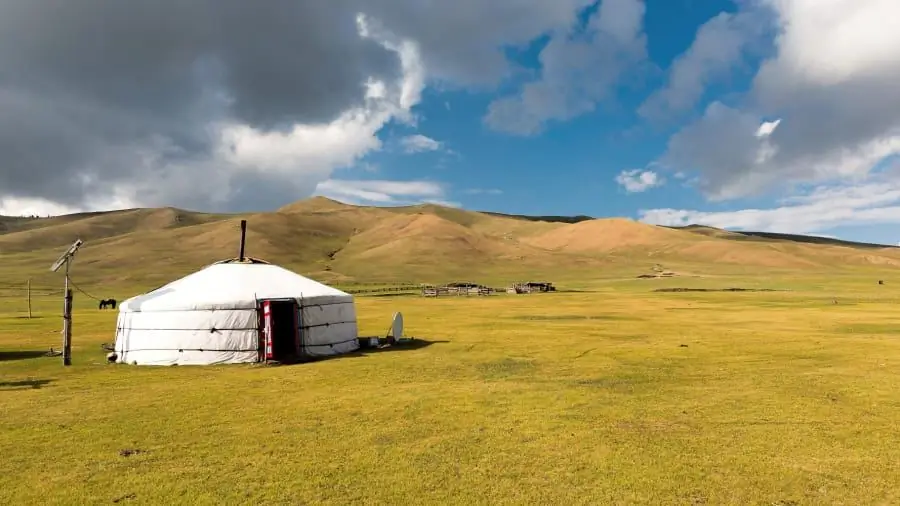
<point x="108" y="303"/>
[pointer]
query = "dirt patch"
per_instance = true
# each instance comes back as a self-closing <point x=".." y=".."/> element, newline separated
<point x="657" y="276"/>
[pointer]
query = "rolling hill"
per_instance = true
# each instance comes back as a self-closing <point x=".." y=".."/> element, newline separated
<point x="332" y="241"/>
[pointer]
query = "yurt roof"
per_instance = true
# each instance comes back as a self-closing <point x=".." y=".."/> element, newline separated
<point x="232" y="285"/>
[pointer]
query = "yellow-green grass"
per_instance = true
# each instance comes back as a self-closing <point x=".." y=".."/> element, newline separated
<point x="613" y="395"/>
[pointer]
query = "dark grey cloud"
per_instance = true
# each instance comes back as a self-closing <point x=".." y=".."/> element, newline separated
<point x="95" y="94"/>
<point x="278" y="60"/>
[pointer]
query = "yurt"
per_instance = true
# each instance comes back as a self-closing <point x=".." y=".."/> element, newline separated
<point x="236" y="311"/>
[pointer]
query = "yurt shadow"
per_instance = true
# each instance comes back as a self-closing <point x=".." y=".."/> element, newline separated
<point x="411" y="344"/>
<point x="6" y="356"/>
<point x="29" y="384"/>
<point x="384" y="346"/>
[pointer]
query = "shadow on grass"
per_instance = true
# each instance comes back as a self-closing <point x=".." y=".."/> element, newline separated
<point x="6" y="356"/>
<point x="411" y="345"/>
<point x="31" y="384"/>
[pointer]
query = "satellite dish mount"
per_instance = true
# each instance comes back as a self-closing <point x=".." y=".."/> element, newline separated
<point x="66" y="259"/>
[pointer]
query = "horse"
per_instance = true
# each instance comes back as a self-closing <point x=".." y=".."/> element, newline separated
<point x="107" y="303"/>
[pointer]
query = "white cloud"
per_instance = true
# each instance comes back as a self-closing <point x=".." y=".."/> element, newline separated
<point x="767" y="128"/>
<point x="419" y="143"/>
<point x="579" y="69"/>
<point x="382" y="192"/>
<point x="832" y="80"/>
<point x="13" y="206"/>
<point x="822" y="208"/>
<point x="636" y="181"/>
<point x="308" y="153"/>
<point x="719" y="45"/>
<point x="28" y="206"/>
<point x="281" y="165"/>
<point x="828" y="42"/>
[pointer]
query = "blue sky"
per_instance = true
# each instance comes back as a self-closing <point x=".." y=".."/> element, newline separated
<point x="773" y="115"/>
<point x="571" y="166"/>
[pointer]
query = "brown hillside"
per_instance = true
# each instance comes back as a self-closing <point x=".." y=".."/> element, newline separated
<point x="604" y="235"/>
<point x="715" y="232"/>
<point x="751" y="254"/>
<point x="411" y="243"/>
<point x="418" y="233"/>
<point x="315" y="205"/>
<point x="97" y="226"/>
<point x="330" y="240"/>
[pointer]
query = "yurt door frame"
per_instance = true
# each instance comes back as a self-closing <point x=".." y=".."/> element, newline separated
<point x="280" y="332"/>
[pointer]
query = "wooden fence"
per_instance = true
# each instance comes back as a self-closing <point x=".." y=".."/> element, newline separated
<point x="383" y="290"/>
<point x="439" y="291"/>
<point x="32" y="300"/>
<point x="25" y="298"/>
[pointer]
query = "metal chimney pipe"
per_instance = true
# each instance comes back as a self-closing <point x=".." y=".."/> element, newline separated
<point x="243" y="238"/>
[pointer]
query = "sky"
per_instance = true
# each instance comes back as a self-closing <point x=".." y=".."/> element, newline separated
<point x="767" y="115"/>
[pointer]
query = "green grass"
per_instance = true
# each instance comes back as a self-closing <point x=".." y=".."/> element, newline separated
<point x="614" y="396"/>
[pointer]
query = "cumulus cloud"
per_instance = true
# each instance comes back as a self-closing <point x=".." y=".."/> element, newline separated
<point x="381" y="192"/>
<point x="822" y="208"/>
<point x="419" y="143"/>
<point x="227" y="106"/>
<point x="579" y="68"/>
<point x="831" y="83"/>
<point x="636" y="181"/>
<point x="720" y="45"/>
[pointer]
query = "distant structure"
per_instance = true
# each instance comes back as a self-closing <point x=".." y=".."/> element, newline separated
<point x="457" y="289"/>
<point x="531" y="287"/>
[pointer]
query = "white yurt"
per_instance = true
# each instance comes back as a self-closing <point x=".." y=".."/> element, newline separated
<point x="236" y="311"/>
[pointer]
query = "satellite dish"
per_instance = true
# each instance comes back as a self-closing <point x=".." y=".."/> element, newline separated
<point x="397" y="326"/>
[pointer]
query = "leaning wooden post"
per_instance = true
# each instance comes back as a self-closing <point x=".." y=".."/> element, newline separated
<point x="67" y="329"/>
<point x="66" y="259"/>
<point x="29" y="297"/>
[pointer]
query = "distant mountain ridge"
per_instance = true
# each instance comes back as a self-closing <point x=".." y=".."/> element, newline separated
<point x="812" y="239"/>
<point x="338" y="242"/>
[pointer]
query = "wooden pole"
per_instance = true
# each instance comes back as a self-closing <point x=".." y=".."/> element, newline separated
<point x="67" y="321"/>
<point x="67" y="329"/>
<point x="29" y="297"/>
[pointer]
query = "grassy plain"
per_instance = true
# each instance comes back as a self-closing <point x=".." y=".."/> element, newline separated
<point x="611" y="395"/>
